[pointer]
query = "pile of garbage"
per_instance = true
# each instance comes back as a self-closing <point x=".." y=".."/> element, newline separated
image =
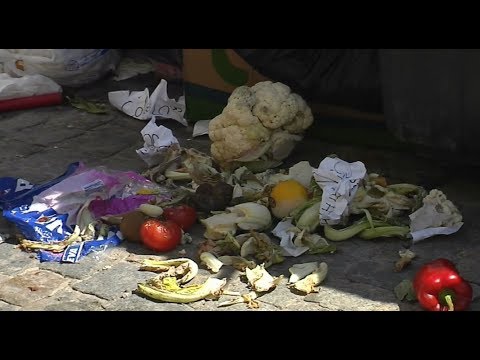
<point x="254" y="220"/>
<point x="255" y="213"/>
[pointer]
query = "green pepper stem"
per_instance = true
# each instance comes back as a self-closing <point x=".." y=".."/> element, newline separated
<point x="446" y="297"/>
<point x="449" y="300"/>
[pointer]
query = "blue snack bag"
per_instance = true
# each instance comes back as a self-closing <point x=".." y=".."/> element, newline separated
<point x="74" y="252"/>
<point x="39" y="223"/>
<point x="15" y="192"/>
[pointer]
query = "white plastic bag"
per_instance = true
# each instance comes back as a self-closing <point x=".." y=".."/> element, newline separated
<point x="29" y="85"/>
<point x="67" y="67"/>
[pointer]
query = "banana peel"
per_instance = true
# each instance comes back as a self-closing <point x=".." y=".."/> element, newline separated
<point x="184" y="267"/>
<point x="300" y="271"/>
<point x="260" y="280"/>
<point x="54" y="247"/>
<point x="237" y="262"/>
<point x="170" y="291"/>
<point x="310" y="283"/>
<point x="249" y="299"/>
<point x="211" y="261"/>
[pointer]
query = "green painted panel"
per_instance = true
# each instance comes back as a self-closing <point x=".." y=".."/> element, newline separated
<point x="228" y="72"/>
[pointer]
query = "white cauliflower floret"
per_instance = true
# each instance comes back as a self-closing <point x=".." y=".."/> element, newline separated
<point x="302" y="120"/>
<point x="275" y="105"/>
<point x="263" y="121"/>
<point x="235" y="132"/>
<point x="437" y="211"/>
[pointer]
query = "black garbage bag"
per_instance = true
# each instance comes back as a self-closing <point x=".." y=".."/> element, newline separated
<point x="344" y="77"/>
<point x="431" y="97"/>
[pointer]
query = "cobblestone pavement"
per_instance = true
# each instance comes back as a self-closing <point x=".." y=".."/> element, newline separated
<point x="38" y="144"/>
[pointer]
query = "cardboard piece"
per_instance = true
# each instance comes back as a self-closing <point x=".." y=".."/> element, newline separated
<point x="210" y="76"/>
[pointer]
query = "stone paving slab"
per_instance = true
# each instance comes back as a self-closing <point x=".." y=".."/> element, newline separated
<point x="8" y="307"/>
<point x="134" y="302"/>
<point x="30" y="286"/>
<point x="212" y="305"/>
<point x="84" y="268"/>
<point x="71" y="118"/>
<point x="353" y="297"/>
<point x="67" y="300"/>
<point x="13" y="260"/>
<point x="17" y="149"/>
<point x="46" y="134"/>
<point x="16" y="121"/>
<point x="284" y="299"/>
<point x="113" y="282"/>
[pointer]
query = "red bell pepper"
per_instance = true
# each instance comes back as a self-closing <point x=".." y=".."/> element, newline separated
<point x="439" y="287"/>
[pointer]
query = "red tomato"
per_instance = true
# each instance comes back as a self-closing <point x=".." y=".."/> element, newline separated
<point x="184" y="215"/>
<point x="160" y="235"/>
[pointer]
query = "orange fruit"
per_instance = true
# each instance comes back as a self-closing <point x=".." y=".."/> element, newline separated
<point x="286" y="196"/>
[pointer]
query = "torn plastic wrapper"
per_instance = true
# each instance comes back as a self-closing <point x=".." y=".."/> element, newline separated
<point x="339" y="181"/>
<point x="38" y="222"/>
<point x="143" y="106"/>
<point x="117" y="206"/>
<point x="15" y="192"/>
<point x="69" y="195"/>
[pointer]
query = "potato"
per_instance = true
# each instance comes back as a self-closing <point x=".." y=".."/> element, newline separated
<point x="130" y="225"/>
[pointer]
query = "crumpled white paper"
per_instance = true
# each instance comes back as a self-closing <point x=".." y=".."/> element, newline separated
<point x="156" y="140"/>
<point x="141" y="105"/>
<point x="200" y="128"/>
<point x="28" y="85"/>
<point x="338" y="180"/>
<point x="427" y="222"/>
<point x="429" y="232"/>
<point x="286" y="239"/>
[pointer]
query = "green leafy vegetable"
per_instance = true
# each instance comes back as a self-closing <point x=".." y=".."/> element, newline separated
<point x="88" y="106"/>
<point x="404" y="291"/>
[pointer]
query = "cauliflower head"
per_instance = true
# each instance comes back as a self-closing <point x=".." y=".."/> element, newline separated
<point x="262" y="122"/>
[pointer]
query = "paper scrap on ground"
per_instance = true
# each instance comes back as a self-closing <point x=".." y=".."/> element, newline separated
<point x="437" y="216"/>
<point x="286" y="239"/>
<point x="200" y="128"/>
<point x="338" y="180"/>
<point x="129" y="68"/>
<point x="141" y="105"/>
<point x="28" y="85"/>
<point x="429" y="232"/>
<point x="156" y="140"/>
